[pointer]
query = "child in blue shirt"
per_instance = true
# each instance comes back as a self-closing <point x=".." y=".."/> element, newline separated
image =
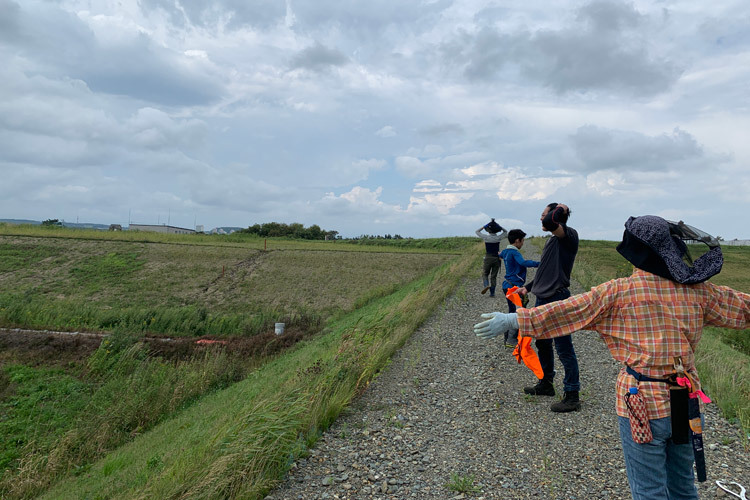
<point x="515" y="274"/>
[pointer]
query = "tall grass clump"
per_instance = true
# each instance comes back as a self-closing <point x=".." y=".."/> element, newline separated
<point x="133" y="392"/>
<point x="27" y="311"/>
<point x="726" y="372"/>
<point x="236" y="443"/>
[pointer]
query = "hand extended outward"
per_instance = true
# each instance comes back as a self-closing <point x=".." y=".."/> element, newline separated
<point x="497" y="324"/>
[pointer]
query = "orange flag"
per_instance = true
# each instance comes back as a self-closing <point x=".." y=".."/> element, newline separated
<point x="523" y="351"/>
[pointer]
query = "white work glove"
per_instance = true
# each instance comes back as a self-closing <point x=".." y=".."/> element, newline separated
<point x="497" y="324"/>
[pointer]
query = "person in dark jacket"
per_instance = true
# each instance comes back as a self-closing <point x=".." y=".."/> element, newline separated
<point x="515" y="274"/>
<point x="550" y="284"/>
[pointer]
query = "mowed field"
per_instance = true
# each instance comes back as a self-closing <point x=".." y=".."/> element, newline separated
<point x="66" y="401"/>
<point x="179" y="288"/>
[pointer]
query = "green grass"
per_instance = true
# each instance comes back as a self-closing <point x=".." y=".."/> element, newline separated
<point x="74" y="284"/>
<point x="597" y="262"/>
<point x="462" y="483"/>
<point x="24" y="256"/>
<point x="56" y="423"/>
<point x="237" y="442"/>
<point x="38" y="406"/>
<point x="726" y="373"/>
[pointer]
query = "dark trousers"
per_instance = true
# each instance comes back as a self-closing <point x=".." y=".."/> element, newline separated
<point x="490" y="268"/>
<point x="564" y="348"/>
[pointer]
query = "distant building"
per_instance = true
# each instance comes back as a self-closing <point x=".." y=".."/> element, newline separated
<point x="735" y="243"/>
<point x="115" y="227"/>
<point x="160" y="229"/>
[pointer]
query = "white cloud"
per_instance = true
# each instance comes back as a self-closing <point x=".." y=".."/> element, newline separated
<point x="387" y="131"/>
<point x="427" y="186"/>
<point x="357" y="201"/>
<point x="511" y="183"/>
<point x="486" y="168"/>
<point x="607" y="183"/>
<point x="442" y="202"/>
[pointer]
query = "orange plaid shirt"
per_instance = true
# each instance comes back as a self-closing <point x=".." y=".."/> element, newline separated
<point x="646" y="321"/>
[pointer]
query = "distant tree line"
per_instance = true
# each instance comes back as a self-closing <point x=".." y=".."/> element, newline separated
<point x="294" y="230"/>
<point x="378" y="237"/>
<point x="314" y="232"/>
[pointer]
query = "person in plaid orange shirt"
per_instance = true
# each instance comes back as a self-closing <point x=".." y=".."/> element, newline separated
<point x="646" y="321"/>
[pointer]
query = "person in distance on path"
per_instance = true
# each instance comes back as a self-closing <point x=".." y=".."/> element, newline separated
<point x="647" y="321"/>
<point x="515" y="274"/>
<point x="551" y="284"/>
<point x="491" y="263"/>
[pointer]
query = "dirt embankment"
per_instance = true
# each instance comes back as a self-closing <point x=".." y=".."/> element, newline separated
<point x="53" y="348"/>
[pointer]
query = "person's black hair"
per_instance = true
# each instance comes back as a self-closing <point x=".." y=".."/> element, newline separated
<point x="515" y="235"/>
<point x="560" y="218"/>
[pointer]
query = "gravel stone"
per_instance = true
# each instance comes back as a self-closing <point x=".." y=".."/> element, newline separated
<point x="451" y="403"/>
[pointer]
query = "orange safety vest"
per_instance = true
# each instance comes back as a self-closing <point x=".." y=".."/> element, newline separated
<point x="523" y="351"/>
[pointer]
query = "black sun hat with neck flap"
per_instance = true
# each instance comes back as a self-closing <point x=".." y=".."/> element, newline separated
<point x="660" y="247"/>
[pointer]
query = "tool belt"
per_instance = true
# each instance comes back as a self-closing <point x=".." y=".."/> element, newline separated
<point x="645" y="378"/>
<point x="684" y="411"/>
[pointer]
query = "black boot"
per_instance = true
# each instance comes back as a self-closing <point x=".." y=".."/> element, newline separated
<point x="570" y="402"/>
<point x="542" y="388"/>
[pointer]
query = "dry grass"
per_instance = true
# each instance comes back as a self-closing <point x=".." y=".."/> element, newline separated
<point x="72" y="283"/>
<point x="324" y="281"/>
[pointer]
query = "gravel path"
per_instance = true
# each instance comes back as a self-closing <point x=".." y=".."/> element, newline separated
<point x="450" y="407"/>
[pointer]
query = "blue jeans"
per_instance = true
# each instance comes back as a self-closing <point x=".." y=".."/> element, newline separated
<point x="564" y="348"/>
<point x="659" y="470"/>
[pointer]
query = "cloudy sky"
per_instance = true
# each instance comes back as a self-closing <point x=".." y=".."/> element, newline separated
<point x="419" y="118"/>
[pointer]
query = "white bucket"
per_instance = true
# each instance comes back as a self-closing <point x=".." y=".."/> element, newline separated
<point x="279" y="328"/>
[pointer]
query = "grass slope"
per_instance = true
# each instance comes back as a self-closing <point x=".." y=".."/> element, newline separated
<point x="236" y="442"/>
<point x="188" y="289"/>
